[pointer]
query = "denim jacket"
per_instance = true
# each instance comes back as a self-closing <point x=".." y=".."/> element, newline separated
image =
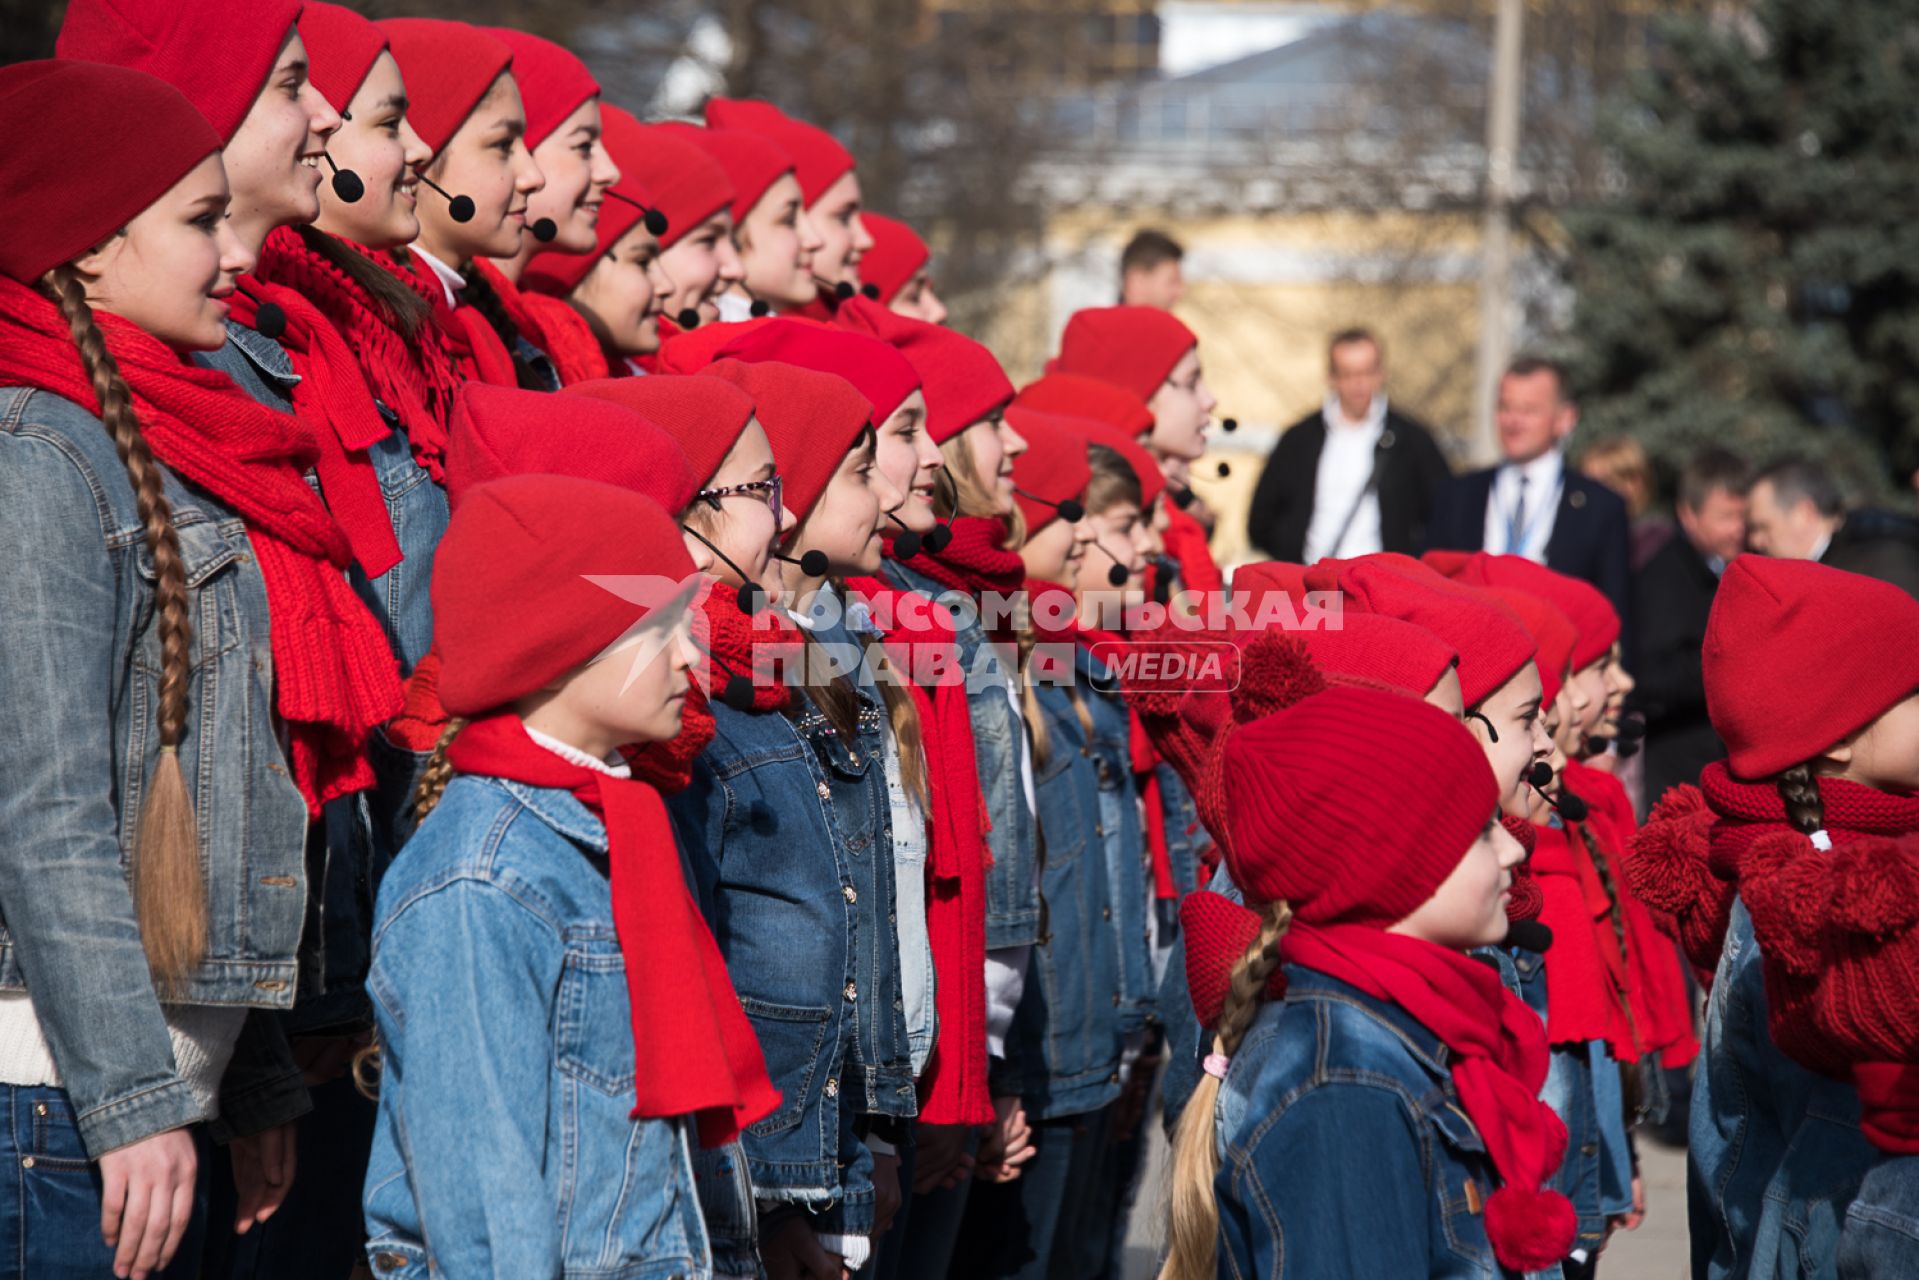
<point x="1775" y="1154"/>
<point x="1123" y="837"/>
<point x="1881" y="1236"/>
<point x="504" y="1145"/>
<point x="1065" y="1046"/>
<point x="1012" y="882"/>
<point x="785" y="831"/>
<point x="417" y="509"/>
<point x="80" y="680"/>
<point x="1343" y="1148"/>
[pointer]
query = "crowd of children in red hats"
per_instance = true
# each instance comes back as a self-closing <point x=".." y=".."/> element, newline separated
<point x="569" y="727"/>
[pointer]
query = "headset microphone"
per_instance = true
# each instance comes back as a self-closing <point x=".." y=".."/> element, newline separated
<point x="544" y="230"/>
<point x="346" y="183"/>
<point x="907" y="544"/>
<point x="655" y="221"/>
<point x="689" y="318"/>
<point x="269" y="320"/>
<point x="458" y="208"/>
<point x="871" y="291"/>
<point x="750" y="596"/>
<point x="813" y="564"/>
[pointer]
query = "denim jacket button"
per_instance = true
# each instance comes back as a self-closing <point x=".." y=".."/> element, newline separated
<point x="1106" y="913"/>
<point x="271" y="984"/>
<point x="852" y="757"/>
<point x="852" y="991"/>
<point x="1099" y="829"/>
<point x="848" y="892"/>
<point x="832" y="1086"/>
<point x="826" y="792"/>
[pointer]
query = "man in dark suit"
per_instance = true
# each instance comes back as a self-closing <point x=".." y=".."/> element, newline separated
<point x="1672" y="597"/>
<point x="1798" y="512"/>
<point x="1532" y="504"/>
<point x="1355" y="477"/>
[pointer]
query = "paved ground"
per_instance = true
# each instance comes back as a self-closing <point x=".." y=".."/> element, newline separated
<point x="1657" y="1251"/>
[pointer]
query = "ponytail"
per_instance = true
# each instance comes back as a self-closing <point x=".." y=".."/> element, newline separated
<point x="904" y="717"/>
<point x="482" y="297"/>
<point x="169" y="890"/>
<point x="1799" y="790"/>
<point x="438" y="772"/>
<point x="402" y="308"/>
<point x="1195" y="1210"/>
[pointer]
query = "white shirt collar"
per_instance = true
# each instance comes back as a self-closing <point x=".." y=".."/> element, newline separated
<point x="1820" y="548"/>
<point x="734" y="307"/>
<point x="614" y="765"/>
<point x="1372" y="424"/>
<point x="451" y="281"/>
<point x="1542" y="473"/>
<point x="635" y="368"/>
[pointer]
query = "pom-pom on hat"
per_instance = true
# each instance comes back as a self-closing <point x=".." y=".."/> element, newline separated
<point x="752" y="163"/>
<point x="1085" y="397"/>
<point x="448" y="67"/>
<point x="504" y="431"/>
<point x="553" y="81"/>
<point x="218" y="53"/>
<point x="1594" y="620"/>
<point x="65" y="123"/>
<point x="962" y="380"/>
<point x="1799" y="655"/>
<point x="1313" y="825"/>
<point x="818" y="158"/>
<point x="684" y="181"/>
<point x="705" y="415"/>
<point x="1131" y="347"/>
<point x="1052" y="470"/>
<point x="342" y="47"/>
<point x="539" y="574"/>
<point x="898" y="254"/>
<point x="876" y="370"/>
<point x="811" y="419"/>
<point x="557" y="273"/>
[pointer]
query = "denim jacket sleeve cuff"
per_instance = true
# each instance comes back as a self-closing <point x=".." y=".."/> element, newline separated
<point x="262" y="1088"/>
<point x="120" y="1122"/>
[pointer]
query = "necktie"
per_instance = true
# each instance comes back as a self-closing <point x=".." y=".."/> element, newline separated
<point x="1516" y="527"/>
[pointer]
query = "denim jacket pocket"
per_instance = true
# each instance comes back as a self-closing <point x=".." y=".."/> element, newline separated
<point x="791" y="1034"/>
<point x="1463" y="1180"/>
<point x="592" y="999"/>
<point x="213" y="597"/>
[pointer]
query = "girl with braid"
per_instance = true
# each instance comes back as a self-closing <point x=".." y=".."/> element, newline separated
<point x="201" y="679"/>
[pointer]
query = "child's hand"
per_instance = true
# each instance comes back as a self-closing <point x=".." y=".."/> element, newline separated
<point x="146" y="1200"/>
<point x="941" y="1159"/>
<point x="793" y="1252"/>
<point x="1008" y="1144"/>
<point x="886" y="1194"/>
<point x="263" y="1167"/>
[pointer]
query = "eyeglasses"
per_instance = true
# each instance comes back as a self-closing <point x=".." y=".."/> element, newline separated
<point x="771" y="488"/>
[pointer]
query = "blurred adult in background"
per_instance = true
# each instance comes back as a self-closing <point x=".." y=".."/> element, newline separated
<point x="1149" y="271"/>
<point x="1671" y="597"/>
<point x="1353" y="477"/>
<point x="1798" y="512"/>
<point x="1620" y="463"/>
<point x="1530" y="505"/>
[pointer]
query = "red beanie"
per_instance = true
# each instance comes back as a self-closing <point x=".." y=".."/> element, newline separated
<point x="448" y="67"/>
<point x="691" y="350"/>
<point x="504" y="431"/>
<point x="217" y="52"/>
<point x="1053" y="468"/>
<point x="1152" y="481"/>
<point x="516" y="604"/>
<point x="558" y="273"/>
<point x="1366" y="648"/>
<point x="962" y="381"/>
<point x="818" y="158"/>
<point x="1552" y="635"/>
<point x="811" y="419"/>
<point x="1353" y="805"/>
<point x="896" y="257"/>
<point x="342" y="47"/>
<point x="1253" y="583"/>
<point x="878" y="372"/>
<point x="680" y="178"/>
<point x="752" y="163"/>
<point x="553" y="81"/>
<point x="1492" y="644"/>
<point x="66" y="124"/>
<point x="705" y="415"/>
<point x="1088" y="398"/>
<point x="1131" y="347"/>
<point x="1799" y="655"/>
<point x="1592" y="616"/>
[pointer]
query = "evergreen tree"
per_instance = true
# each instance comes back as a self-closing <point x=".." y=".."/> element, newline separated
<point x="1753" y="279"/>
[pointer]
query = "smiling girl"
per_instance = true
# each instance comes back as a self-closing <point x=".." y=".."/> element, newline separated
<point x="773" y="237"/>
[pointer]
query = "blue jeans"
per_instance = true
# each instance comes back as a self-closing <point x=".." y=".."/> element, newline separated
<point x="928" y="1248"/>
<point x="50" y="1219"/>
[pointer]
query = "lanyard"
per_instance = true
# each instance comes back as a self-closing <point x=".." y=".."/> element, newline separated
<point x="1518" y="536"/>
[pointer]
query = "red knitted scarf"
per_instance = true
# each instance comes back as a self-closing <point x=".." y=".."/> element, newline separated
<point x="1497" y="1049"/>
<point x="334" y="676"/>
<point x="1186" y="542"/>
<point x="475" y="348"/>
<point x="920" y="645"/>
<point x="1669" y="871"/>
<point x="694" y="1050"/>
<point x="755" y="650"/>
<point x="975" y="561"/>
<point x="549" y="324"/>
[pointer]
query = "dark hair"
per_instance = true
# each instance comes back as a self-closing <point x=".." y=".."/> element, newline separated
<point x="1113" y="479"/>
<point x="1708" y="472"/>
<point x="1351" y="336"/>
<point x="1148" y="249"/>
<point x="480" y="294"/>
<point x="1797" y="480"/>
<point x="402" y="308"/>
<point x="1525" y="366"/>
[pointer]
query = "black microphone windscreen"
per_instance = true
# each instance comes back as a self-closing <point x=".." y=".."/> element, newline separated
<point x="814" y="564"/>
<point x="738" y="693"/>
<point x="759" y="308"/>
<point x="1117" y="575"/>
<point x="1571" y="807"/>
<point x="843" y="290"/>
<point x="1182" y="498"/>
<point x="347" y="185"/>
<point x="906" y="545"/>
<point x="1540" y="774"/>
<point x="1225" y="469"/>
<point x="689" y="318"/>
<point x="1229" y="425"/>
<point x="1530" y="935"/>
<point x="270" y="321"/>
<point x="655" y="222"/>
<point x="460" y="208"/>
<point x="545" y="229"/>
<point x="748" y="597"/>
<point x="872" y="291"/>
<point x="1071" y="511"/>
<point x="938" y="537"/>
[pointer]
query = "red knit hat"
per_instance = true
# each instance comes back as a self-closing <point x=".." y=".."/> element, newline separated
<point x="878" y="372"/>
<point x="1552" y="634"/>
<point x="962" y="380"/>
<point x="517" y="600"/>
<point x="705" y="415"/>
<point x="752" y="163"/>
<point x="680" y="178"/>
<point x="504" y="431"/>
<point x="217" y="52"/>
<point x="1368" y="648"/>
<point x="1799" y="655"/>
<point x="818" y="157"/>
<point x="65" y="124"/>
<point x="1131" y="347"/>
<point x="1152" y="481"/>
<point x="691" y="350"/>
<point x="896" y="257"/>
<point x="558" y="273"/>
<point x="811" y="419"/>
<point x="553" y="81"/>
<point x="1087" y="398"/>
<point x="1316" y="822"/>
<point x="342" y="47"/>
<point x="1053" y="468"/>
<point x="448" y="67"/>
<point x="1592" y="616"/>
<point x="1492" y="644"/>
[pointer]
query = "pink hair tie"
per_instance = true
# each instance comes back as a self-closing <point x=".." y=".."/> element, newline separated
<point x="1216" y="1065"/>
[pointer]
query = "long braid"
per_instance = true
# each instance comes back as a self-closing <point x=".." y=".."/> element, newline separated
<point x="479" y="293"/>
<point x="1195" y="1209"/>
<point x="438" y="772"/>
<point x="169" y="888"/>
<point x="1800" y="792"/>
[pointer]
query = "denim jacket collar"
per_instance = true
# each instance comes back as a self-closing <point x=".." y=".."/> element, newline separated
<point x="559" y="810"/>
<point x="1310" y="984"/>
<point x="1094" y="669"/>
<point x="266" y="355"/>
